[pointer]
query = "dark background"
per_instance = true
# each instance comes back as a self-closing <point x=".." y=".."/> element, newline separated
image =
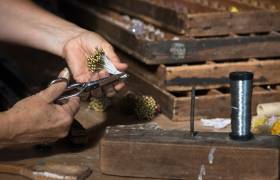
<point x="25" y="71"/>
<point x="36" y="68"/>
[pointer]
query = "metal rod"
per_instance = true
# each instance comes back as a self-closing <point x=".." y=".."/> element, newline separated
<point x="192" y="130"/>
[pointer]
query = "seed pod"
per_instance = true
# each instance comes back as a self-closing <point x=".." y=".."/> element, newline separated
<point x="145" y="107"/>
<point x="96" y="62"/>
<point x="99" y="104"/>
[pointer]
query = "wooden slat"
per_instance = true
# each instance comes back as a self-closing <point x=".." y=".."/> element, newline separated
<point x="148" y="12"/>
<point x="243" y="22"/>
<point x="164" y="154"/>
<point x="154" y="74"/>
<point x="203" y="76"/>
<point x="213" y="92"/>
<point x="226" y="5"/>
<point x="198" y="50"/>
<point x="157" y="12"/>
<point x="91" y="19"/>
<point x="268" y="4"/>
<point x="207" y="106"/>
<point x="172" y="15"/>
<point x="166" y="51"/>
<point x="178" y="78"/>
<point x="187" y="6"/>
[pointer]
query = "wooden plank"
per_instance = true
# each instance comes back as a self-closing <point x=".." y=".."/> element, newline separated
<point x="243" y="22"/>
<point x="163" y="154"/>
<point x="215" y="75"/>
<point x="187" y="16"/>
<point x="159" y="13"/>
<point x="47" y="171"/>
<point x="207" y="106"/>
<point x="154" y="74"/>
<point x="218" y="49"/>
<point x="227" y="5"/>
<point x="91" y="19"/>
<point x="167" y="51"/>
<point x="268" y="4"/>
<point x="179" y="78"/>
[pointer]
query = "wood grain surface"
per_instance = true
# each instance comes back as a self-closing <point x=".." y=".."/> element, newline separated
<point x="202" y="17"/>
<point x="167" y="50"/>
<point x="208" y="75"/>
<point x="209" y="103"/>
<point x="95" y="123"/>
<point x="159" y="153"/>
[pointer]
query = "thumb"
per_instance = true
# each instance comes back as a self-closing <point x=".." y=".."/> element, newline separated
<point x="56" y="89"/>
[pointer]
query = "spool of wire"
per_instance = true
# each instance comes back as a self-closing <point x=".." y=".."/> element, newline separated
<point x="241" y="95"/>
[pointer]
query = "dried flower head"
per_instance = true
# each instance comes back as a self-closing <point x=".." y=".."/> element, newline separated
<point x="275" y="130"/>
<point x="99" y="104"/>
<point x="96" y="62"/>
<point x="146" y="107"/>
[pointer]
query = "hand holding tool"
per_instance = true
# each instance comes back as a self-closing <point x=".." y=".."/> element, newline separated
<point x="77" y="89"/>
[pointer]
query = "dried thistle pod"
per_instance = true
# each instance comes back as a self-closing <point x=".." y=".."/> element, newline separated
<point x="146" y="107"/>
<point x="96" y="62"/>
<point x="99" y="104"/>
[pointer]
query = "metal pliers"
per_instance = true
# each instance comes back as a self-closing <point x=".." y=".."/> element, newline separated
<point x="77" y="89"/>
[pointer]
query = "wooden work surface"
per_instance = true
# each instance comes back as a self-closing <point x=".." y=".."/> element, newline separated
<point x="89" y="156"/>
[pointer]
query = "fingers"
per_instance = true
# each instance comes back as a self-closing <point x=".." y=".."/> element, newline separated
<point x="72" y="106"/>
<point x="121" y="66"/>
<point x="85" y="77"/>
<point x="55" y="90"/>
<point x="25" y="140"/>
<point x="119" y="86"/>
<point x="103" y="74"/>
<point x="115" y="60"/>
<point x="109" y="51"/>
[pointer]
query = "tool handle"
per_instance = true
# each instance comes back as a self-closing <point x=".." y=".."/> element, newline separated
<point x="47" y="171"/>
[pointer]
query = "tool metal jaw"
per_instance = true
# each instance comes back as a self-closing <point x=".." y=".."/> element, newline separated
<point x="77" y="89"/>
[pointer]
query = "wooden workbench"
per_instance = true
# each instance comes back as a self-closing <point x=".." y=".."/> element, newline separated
<point x="63" y="153"/>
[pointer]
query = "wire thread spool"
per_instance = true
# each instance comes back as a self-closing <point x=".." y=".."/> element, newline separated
<point x="241" y="96"/>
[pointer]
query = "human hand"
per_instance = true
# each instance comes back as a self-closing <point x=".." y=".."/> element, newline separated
<point x="79" y="48"/>
<point x="37" y="119"/>
<point x="42" y="30"/>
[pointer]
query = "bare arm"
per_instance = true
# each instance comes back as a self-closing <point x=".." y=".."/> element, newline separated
<point x="4" y="128"/>
<point x="25" y="23"/>
<point x="36" y="118"/>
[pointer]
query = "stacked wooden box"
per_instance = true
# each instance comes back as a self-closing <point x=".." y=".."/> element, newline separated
<point x="186" y="43"/>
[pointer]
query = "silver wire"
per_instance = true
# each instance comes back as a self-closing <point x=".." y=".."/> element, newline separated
<point x="241" y="95"/>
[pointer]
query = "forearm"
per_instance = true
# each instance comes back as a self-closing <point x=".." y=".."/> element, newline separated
<point x="5" y="127"/>
<point x="25" y="23"/>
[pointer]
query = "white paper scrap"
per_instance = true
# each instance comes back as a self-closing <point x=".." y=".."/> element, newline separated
<point x="217" y="123"/>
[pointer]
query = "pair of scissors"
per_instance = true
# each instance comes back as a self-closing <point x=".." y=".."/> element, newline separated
<point x="77" y="89"/>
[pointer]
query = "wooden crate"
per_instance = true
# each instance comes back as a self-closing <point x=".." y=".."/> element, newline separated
<point x="137" y="151"/>
<point x="168" y="50"/>
<point x="209" y="75"/>
<point x="211" y="103"/>
<point x="203" y="17"/>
